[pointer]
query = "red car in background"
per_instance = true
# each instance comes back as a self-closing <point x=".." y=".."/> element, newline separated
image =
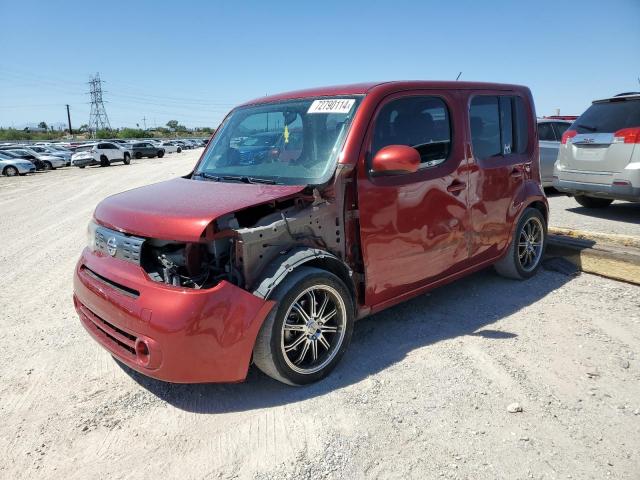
<point x="387" y="190"/>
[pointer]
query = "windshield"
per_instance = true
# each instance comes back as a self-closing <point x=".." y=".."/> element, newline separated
<point x="86" y="148"/>
<point x="609" y="117"/>
<point x="295" y="142"/>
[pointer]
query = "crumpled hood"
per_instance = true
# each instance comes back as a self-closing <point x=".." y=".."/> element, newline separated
<point x="181" y="209"/>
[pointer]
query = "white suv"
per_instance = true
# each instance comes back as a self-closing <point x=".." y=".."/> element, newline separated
<point x="103" y="154"/>
<point x="599" y="158"/>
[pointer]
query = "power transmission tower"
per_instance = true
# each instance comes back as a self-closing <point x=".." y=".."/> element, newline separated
<point x="98" y="119"/>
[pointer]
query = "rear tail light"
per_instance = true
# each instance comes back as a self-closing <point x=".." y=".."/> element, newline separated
<point x="627" y="135"/>
<point x="567" y="135"/>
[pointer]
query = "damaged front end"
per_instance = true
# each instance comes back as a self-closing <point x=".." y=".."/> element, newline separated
<point x="238" y="246"/>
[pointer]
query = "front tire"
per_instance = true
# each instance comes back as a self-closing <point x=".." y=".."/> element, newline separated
<point x="127" y="159"/>
<point x="160" y="154"/>
<point x="138" y="155"/>
<point x="10" y="171"/>
<point x="527" y="247"/>
<point x="179" y="150"/>
<point x="308" y="330"/>
<point x="593" y="202"/>
<point x="48" y="166"/>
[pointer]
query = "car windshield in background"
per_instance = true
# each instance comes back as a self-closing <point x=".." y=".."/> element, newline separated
<point x="295" y="142"/>
<point x="609" y="116"/>
<point x="86" y="148"/>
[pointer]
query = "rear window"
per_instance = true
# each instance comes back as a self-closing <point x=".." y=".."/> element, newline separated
<point x="609" y="117"/>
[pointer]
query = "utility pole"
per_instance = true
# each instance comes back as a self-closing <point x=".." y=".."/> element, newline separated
<point x="98" y="119"/>
<point x="144" y="122"/>
<point x="69" y="119"/>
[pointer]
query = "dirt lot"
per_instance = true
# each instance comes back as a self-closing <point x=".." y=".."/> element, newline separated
<point x="620" y="217"/>
<point x="423" y="391"/>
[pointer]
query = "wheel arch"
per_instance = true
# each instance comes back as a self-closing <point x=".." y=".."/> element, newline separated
<point x="280" y="267"/>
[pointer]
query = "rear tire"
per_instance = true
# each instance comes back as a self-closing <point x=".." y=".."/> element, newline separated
<point x="160" y="154"/>
<point x="10" y="171"/>
<point x="179" y="150"/>
<point x="593" y="202"/>
<point x="308" y="330"/>
<point x="527" y="247"/>
<point x="81" y="166"/>
<point x="104" y="161"/>
<point x="138" y="155"/>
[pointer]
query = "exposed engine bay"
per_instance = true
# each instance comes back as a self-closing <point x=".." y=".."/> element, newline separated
<point x="238" y="246"/>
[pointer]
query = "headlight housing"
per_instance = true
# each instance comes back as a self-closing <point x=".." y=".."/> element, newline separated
<point x="91" y="235"/>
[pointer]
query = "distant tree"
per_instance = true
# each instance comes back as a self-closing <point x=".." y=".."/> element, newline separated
<point x="132" y="133"/>
<point x="162" y="130"/>
<point x="43" y="125"/>
<point x="84" y="127"/>
<point x="173" y="124"/>
<point x="104" y="133"/>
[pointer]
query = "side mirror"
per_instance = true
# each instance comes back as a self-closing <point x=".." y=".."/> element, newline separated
<point x="395" y="159"/>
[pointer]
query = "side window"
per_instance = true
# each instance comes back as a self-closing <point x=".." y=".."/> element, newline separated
<point x="101" y="146"/>
<point x="560" y="128"/>
<point x="499" y="126"/>
<point x="420" y="122"/>
<point x="521" y="125"/>
<point x="545" y="132"/>
<point x="484" y="116"/>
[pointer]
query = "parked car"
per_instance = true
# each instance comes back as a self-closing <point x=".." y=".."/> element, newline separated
<point x="42" y="162"/>
<point x="171" y="147"/>
<point x="549" y="136"/>
<point x="191" y="279"/>
<point x="600" y="153"/>
<point x="102" y="153"/>
<point x="183" y="144"/>
<point x="146" y="149"/>
<point x="11" y="166"/>
<point x="48" y="150"/>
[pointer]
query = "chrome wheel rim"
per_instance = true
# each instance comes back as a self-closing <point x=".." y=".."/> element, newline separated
<point x="313" y="330"/>
<point x="530" y="243"/>
<point x="11" y="172"/>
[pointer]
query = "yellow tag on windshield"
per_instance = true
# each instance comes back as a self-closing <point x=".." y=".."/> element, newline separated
<point x="286" y="134"/>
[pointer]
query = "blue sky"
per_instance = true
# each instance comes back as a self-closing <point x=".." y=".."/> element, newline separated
<point x="193" y="60"/>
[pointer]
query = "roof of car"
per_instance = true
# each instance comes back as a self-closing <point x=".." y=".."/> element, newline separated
<point x="554" y="120"/>
<point x="629" y="95"/>
<point x="365" y="88"/>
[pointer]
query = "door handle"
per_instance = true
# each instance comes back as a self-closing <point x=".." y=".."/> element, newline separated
<point x="456" y="187"/>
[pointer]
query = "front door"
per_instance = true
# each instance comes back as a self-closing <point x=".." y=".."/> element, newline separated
<point x="412" y="226"/>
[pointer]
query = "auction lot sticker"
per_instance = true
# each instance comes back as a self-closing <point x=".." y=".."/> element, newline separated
<point x="333" y="105"/>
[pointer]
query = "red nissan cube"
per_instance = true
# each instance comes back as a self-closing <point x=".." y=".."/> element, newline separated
<point x="306" y="211"/>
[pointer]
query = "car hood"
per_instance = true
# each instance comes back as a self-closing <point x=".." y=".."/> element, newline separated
<point x="181" y="209"/>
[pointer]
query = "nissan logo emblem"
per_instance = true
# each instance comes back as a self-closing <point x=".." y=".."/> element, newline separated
<point x="112" y="246"/>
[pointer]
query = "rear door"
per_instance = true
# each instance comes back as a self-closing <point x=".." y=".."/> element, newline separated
<point x="601" y="141"/>
<point x="413" y="226"/>
<point x="501" y="130"/>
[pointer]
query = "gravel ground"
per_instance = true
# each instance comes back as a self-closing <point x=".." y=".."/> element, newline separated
<point x="620" y="217"/>
<point x="427" y="389"/>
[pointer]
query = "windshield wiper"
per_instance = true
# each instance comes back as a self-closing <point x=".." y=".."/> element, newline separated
<point x="248" y="179"/>
<point x="208" y="176"/>
<point x="587" y="127"/>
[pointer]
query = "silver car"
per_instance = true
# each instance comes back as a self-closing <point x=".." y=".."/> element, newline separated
<point x="48" y="150"/>
<point x="550" y="133"/>
<point x="50" y="162"/>
<point x="11" y="167"/>
<point x="599" y="159"/>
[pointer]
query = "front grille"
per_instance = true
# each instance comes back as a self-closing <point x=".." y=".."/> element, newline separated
<point x="127" y="247"/>
<point x="120" y="340"/>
